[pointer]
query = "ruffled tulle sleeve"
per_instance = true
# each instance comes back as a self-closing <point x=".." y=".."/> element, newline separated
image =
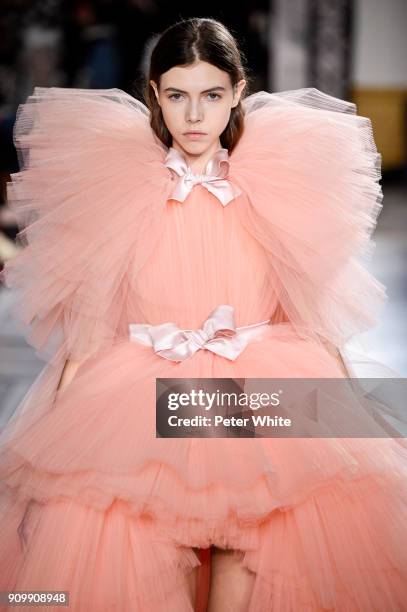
<point x="310" y="170"/>
<point x="87" y="198"/>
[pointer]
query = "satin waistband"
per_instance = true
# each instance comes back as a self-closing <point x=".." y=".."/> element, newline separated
<point x="217" y="334"/>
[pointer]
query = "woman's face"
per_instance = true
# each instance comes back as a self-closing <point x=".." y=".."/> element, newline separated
<point x="198" y="97"/>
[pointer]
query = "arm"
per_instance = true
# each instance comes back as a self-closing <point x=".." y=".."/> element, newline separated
<point x="68" y="373"/>
<point x="70" y="368"/>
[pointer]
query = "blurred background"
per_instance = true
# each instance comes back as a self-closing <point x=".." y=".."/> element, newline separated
<point x="353" y="49"/>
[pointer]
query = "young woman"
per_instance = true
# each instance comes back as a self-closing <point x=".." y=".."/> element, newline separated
<point x="209" y="234"/>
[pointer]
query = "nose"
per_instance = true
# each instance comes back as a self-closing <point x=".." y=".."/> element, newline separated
<point x="194" y="112"/>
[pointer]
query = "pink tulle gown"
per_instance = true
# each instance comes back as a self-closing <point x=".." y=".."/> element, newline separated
<point x="117" y="230"/>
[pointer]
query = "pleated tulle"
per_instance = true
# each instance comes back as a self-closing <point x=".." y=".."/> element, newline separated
<point x="92" y="181"/>
<point x="91" y="501"/>
<point x="91" y="468"/>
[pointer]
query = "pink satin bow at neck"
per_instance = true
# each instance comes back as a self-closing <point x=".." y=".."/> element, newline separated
<point x="214" y="178"/>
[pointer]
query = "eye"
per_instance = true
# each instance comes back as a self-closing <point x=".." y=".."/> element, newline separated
<point x="212" y="93"/>
<point x="172" y="96"/>
<point x="177" y="96"/>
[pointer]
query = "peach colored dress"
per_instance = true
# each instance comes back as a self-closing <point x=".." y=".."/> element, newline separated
<point x="117" y="231"/>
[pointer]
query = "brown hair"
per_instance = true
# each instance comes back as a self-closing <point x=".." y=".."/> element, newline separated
<point x="182" y="44"/>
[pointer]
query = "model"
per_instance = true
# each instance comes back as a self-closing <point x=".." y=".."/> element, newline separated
<point x="155" y="236"/>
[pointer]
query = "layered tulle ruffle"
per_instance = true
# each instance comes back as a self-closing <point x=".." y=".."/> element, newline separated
<point x="91" y="196"/>
<point x="92" y="468"/>
<point x="88" y="198"/>
<point x="310" y="169"/>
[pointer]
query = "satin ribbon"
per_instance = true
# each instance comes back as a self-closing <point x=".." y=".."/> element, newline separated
<point x="218" y="334"/>
<point x="214" y="178"/>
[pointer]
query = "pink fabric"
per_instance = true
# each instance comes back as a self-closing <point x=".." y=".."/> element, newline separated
<point x="310" y="215"/>
<point x="91" y="501"/>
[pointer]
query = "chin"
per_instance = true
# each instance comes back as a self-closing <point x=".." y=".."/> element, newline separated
<point x="194" y="148"/>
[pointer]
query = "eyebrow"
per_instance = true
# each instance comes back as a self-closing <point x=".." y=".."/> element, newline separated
<point x="218" y="88"/>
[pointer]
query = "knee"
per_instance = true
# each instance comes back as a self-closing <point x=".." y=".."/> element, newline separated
<point x="231" y="582"/>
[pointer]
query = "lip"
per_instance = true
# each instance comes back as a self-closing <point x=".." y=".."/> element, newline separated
<point x="194" y="135"/>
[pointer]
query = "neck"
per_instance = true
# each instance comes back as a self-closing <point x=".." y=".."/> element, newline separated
<point x="198" y="162"/>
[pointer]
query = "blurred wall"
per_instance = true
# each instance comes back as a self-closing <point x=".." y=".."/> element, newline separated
<point x="380" y="44"/>
<point x="379" y="74"/>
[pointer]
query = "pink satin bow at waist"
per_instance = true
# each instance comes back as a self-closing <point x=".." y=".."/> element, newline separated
<point x="218" y="334"/>
<point x="214" y="178"/>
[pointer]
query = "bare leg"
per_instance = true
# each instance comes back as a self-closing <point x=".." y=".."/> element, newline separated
<point x="183" y="596"/>
<point x="192" y="581"/>
<point x="231" y="582"/>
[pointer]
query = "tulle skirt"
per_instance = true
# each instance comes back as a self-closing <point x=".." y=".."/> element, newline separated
<point x="93" y="503"/>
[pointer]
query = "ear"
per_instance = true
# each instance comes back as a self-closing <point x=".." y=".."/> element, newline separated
<point x="154" y="86"/>
<point x="238" y="88"/>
